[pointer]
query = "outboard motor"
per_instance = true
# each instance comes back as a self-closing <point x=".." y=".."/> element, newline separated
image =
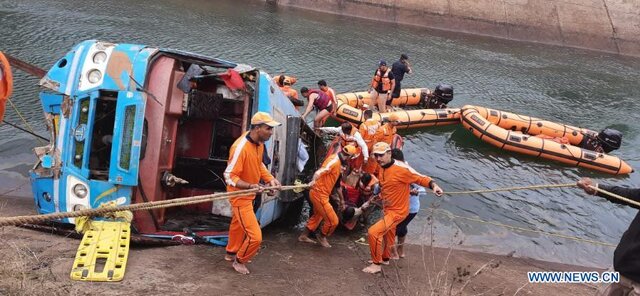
<point x="439" y="98"/>
<point x="444" y="93"/>
<point x="610" y="139"/>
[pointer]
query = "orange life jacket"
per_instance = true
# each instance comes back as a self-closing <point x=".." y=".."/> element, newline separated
<point x="322" y="101"/>
<point x="371" y="132"/>
<point x="386" y="82"/>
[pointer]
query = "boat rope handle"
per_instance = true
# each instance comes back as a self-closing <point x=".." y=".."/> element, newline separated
<point x="24" y="120"/>
<point x="33" y="219"/>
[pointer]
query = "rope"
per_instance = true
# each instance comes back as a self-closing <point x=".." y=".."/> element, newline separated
<point x="34" y="219"/>
<point x="24" y="120"/>
<point x="512" y="188"/>
<point x="621" y="198"/>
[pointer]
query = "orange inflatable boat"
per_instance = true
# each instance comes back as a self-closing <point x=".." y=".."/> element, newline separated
<point x="408" y="97"/>
<point x="6" y="83"/>
<point x="505" y="131"/>
<point x="408" y="118"/>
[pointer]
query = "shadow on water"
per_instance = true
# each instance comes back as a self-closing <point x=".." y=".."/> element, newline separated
<point x="572" y="86"/>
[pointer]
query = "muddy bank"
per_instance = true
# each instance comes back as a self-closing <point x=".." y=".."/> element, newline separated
<point x="603" y="25"/>
<point x="36" y="263"/>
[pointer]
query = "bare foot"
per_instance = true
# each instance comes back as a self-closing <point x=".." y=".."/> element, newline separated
<point x="401" y="251"/>
<point x="383" y="262"/>
<point x="306" y="239"/>
<point x="373" y="268"/>
<point x="394" y="253"/>
<point x="323" y="241"/>
<point x="240" y="268"/>
<point x="229" y="257"/>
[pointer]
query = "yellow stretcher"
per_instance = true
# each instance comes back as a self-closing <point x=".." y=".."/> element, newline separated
<point x="103" y="251"/>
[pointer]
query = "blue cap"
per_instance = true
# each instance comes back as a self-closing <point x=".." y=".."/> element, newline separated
<point x="382" y="63"/>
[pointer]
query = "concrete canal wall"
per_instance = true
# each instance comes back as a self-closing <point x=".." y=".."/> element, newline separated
<point x="604" y="25"/>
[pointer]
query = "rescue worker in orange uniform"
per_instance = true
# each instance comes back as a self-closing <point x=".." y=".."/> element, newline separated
<point x="244" y="171"/>
<point x="371" y="132"/>
<point x="395" y="180"/>
<point x="382" y="85"/>
<point x="351" y="136"/>
<point x="322" y="185"/>
<point x="389" y="129"/>
<point x="284" y="83"/>
<point x="280" y="79"/>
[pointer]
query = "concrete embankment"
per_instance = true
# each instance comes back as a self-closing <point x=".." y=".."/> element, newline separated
<point x="604" y="25"/>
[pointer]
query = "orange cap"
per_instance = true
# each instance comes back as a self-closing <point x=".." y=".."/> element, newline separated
<point x="264" y="118"/>
<point x="381" y="147"/>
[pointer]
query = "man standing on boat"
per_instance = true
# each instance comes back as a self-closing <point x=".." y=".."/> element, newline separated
<point x="398" y="69"/>
<point x="395" y="181"/>
<point x="322" y="185"/>
<point x="382" y="84"/>
<point x="626" y="257"/>
<point x="244" y="171"/>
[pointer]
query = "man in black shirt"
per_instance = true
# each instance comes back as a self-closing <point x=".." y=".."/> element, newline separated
<point x="399" y="68"/>
<point x="626" y="257"/>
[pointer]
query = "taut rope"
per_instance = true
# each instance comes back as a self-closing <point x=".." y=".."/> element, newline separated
<point x="33" y="219"/>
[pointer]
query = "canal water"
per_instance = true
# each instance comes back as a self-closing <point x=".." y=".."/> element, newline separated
<point x="577" y="87"/>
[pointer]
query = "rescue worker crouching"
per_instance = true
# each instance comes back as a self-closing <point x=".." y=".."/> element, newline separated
<point x="321" y="186"/>
<point x="285" y="83"/>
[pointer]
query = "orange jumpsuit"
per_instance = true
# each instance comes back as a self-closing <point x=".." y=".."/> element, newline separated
<point x="388" y="131"/>
<point x="245" y="163"/>
<point x="319" y="194"/>
<point x="395" y="179"/>
<point x="371" y="132"/>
